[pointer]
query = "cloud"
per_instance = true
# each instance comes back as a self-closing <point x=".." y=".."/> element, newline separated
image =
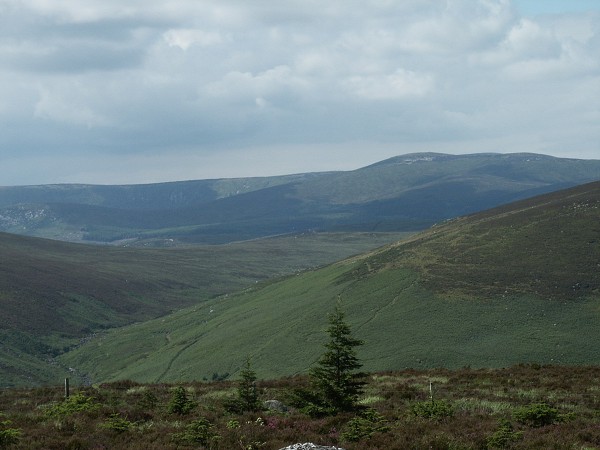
<point x="457" y="26"/>
<point x="184" y="38"/>
<point x="531" y="51"/>
<point x="398" y="85"/>
<point x="71" y="109"/>
<point x="216" y="78"/>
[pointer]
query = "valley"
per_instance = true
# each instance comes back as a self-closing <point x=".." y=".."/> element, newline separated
<point x="486" y="290"/>
<point x="54" y="294"/>
<point x="438" y="260"/>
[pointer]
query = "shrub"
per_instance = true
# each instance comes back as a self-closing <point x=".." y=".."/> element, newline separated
<point x="504" y="436"/>
<point x="116" y="423"/>
<point x="435" y="410"/>
<point x="309" y="403"/>
<point x="364" y="426"/>
<point x="148" y="400"/>
<point x="219" y="377"/>
<point x="233" y="424"/>
<point x="537" y="415"/>
<point x="180" y="403"/>
<point x="318" y="411"/>
<point x="8" y="436"/>
<point x="200" y="431"/>
<point x="72" y="405"/>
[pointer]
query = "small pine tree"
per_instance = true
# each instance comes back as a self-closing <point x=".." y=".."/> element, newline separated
<point x="247" y="393"/>
<point x="335" y="377"/>
<point x="180" y="403"/>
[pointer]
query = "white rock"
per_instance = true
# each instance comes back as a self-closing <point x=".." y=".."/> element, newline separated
<point x="310" y="446"/>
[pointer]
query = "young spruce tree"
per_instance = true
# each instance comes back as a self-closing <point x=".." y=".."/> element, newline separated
<point x="180" y="403"/>
<point x="335" y="376"/>
<point x="247" y="393"/>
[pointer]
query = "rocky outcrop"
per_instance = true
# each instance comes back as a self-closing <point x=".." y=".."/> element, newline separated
<point x="275" y="405"/>
<point x="310" y="446"/>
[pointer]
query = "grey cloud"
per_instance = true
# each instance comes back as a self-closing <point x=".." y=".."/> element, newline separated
<point x="75" y="58"/>
<point x="208" y="77"/>
<point x="38" y="41"/>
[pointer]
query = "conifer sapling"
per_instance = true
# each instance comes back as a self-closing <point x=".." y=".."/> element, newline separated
<point x="335" y="376"/>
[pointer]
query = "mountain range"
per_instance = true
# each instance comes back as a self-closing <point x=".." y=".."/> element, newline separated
<point x="482" y="285"/>
<point x="404" y="193"/>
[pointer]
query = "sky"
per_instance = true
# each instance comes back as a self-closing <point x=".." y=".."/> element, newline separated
<point x="113" y="92"/>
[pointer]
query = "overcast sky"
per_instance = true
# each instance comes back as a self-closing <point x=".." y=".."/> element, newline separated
<point x="107" y="91"/>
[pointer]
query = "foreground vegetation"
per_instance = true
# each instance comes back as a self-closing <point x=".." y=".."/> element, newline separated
<point x="521" y="407"/>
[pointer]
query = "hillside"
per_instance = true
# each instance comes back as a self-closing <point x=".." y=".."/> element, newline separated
<point x="519" y="283"/>
<point x="157" y="196"/>
<point x="54" y="294"/>
<point x="405" y="193"/>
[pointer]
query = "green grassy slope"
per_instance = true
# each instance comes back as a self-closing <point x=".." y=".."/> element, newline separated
<point x="519" y="283"/>
<point x="52" y="294"/>
<point x="409" y="192"/>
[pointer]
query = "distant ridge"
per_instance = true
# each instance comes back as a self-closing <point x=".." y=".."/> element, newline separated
<point x="405" y="193"/>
